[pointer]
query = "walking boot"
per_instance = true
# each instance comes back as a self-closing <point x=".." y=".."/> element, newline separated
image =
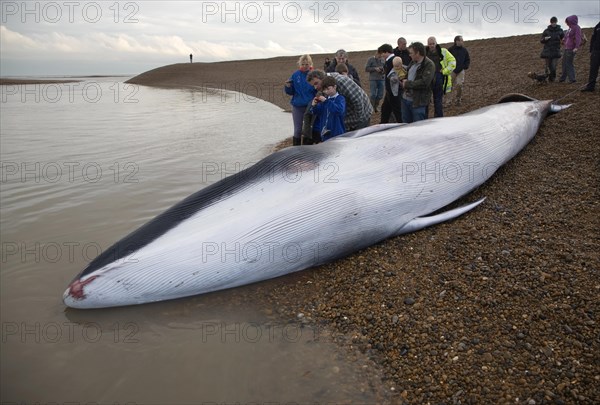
<point x="373" y="103"/>
<point x="458" y="95"/>
<point x="376" y="105"/>
<point x="307" y="140"/>
<point x="296" y="141"/>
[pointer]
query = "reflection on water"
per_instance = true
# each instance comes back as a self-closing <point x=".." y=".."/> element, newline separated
<point x="84" y="164"/>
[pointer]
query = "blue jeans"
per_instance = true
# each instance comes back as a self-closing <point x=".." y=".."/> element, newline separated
<point x="568" y="69"/>
<point x="410" y="113"/>
<point x="376" y="89"/>
<point x="551" y="68"/>
<point x="297" y="117"/>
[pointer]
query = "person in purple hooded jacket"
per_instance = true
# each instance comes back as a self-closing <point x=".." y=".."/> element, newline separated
<point x="572" y="42"/>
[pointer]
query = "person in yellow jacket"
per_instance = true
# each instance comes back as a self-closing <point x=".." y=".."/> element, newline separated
<point x="442" y="81"/>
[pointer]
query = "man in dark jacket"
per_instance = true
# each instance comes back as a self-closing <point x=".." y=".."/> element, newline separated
<point x="341" y="56"/>
<point x="594" y="59"/>
<point x="391" y="104"/>
<point x="463" y="61"/>
<point x="551" y="38"/>
<point x="402" y="51"/>
<point x="417" y="87"/>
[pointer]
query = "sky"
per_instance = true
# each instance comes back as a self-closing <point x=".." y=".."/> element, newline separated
<point x="52" y="38"/>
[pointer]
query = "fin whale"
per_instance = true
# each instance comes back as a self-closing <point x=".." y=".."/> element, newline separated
<point x="307" y="205"/>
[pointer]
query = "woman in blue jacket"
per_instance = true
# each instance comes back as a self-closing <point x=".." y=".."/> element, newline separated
<point x="302" y="94"/>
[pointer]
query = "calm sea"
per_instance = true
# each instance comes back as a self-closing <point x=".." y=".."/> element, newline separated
<point x="82" y="165"/>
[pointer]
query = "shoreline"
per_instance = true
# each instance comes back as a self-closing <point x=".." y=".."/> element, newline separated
<point x="16" y="82"/>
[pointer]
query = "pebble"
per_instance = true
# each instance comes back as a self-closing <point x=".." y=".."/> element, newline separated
<point x="499" y="288"/>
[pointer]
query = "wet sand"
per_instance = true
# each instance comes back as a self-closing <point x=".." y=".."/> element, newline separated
<point x="498" y="306"/>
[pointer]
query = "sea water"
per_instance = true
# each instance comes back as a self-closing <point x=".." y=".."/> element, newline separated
<point x="82" y="165"/>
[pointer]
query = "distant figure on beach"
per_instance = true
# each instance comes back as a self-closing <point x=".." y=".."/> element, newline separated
<point x="444" y="63"/>
<point x="551" y="38"/>
<point x="374" y="68"/>
<point x="358" y="105"/>
<point x="594" y="59"/>
<point x="463" y="61"/>
<point x="572" y="42"/>
<point x="417" y="85"/>
<point x="329" y="109"/>
<point x="341" y="56"/>
<point x="302" y="94"/>
<point x="191" y="56"/>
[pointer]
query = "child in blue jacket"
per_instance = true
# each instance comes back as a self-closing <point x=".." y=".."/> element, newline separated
<point x="330" y="110"/>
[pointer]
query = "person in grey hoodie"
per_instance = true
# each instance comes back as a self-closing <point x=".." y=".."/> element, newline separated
<point x="572" y="43"/>
<point x="551" y="38"/>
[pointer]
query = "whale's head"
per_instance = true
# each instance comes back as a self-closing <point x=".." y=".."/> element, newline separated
<point x="76" y="294"/>
<point x="104" y="286"/>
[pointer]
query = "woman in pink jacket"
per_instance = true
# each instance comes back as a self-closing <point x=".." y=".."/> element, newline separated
<point x="572" y="42"/>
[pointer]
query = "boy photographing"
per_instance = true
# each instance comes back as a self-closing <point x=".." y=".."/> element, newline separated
<point x="329" y="110"/>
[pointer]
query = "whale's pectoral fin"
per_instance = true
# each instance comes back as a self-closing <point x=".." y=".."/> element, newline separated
<point x="423" y="222"/>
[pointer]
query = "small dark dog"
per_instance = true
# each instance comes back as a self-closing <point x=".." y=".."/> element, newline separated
<point x="539" y="78"/>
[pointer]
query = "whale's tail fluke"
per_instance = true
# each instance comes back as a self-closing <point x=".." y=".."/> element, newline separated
<point x="517" y="97"/>
<point x="555" y="108"/>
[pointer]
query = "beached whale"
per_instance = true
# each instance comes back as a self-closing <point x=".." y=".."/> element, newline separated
<point x="307" y="205"/>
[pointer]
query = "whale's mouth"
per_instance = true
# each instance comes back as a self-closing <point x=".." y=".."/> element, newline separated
<point x="75" y="289"/>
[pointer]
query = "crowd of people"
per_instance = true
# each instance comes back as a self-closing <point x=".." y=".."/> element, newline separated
<point x="405" y="79"/>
